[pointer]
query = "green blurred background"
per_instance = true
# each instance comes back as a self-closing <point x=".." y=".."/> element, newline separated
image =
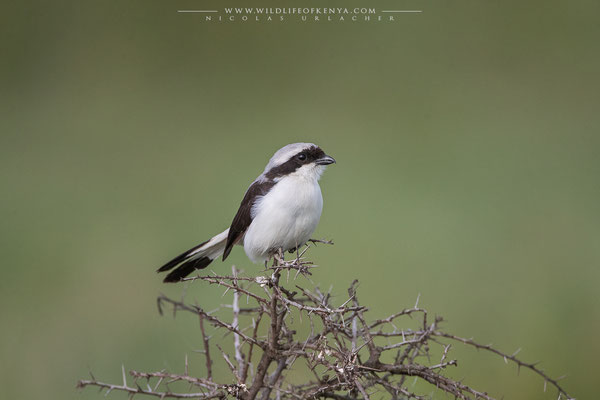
<point x="468" y="171"/>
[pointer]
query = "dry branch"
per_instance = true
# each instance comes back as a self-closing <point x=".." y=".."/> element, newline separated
<point x="343" y="352"/>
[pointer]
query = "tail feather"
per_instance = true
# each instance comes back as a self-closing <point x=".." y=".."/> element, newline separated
<point x="180" y="258"/>
<point x="187" y="268"/>
<point x="195" y="258"/>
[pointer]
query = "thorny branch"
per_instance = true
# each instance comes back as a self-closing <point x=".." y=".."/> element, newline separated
<point x="347" y="357"/>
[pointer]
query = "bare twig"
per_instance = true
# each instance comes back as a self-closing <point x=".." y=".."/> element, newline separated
<point x="349" y="357"/>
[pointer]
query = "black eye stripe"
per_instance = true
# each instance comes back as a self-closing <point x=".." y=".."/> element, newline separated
<point x="310" y="154"/>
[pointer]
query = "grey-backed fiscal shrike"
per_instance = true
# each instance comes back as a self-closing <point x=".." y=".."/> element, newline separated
<point x="280" y="210"/>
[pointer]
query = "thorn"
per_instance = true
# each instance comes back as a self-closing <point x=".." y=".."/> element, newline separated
<point x="124" y="376"/>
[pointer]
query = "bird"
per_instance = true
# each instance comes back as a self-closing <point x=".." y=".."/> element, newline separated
<point x="279" y="212"/>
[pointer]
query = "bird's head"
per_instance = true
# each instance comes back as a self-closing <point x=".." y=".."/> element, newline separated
<point x="306" y="160"/>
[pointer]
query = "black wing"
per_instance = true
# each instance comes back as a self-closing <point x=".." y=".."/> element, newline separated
<point x="242" y="219"/>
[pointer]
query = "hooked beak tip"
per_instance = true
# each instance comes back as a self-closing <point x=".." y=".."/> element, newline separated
<point x="326" y="160"/>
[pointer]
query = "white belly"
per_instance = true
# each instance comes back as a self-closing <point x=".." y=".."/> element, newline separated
<point x="285" y="218"/>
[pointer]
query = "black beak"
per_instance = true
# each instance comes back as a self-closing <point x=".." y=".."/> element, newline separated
<point x="325" y="160"/>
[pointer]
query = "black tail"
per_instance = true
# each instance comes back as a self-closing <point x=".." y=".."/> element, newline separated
<point x="186" y="263"/>
<point x="187" y="268"/>
<point x="197" y="257"/>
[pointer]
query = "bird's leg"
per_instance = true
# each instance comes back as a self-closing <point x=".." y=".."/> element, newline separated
<point x="296" y="249"/>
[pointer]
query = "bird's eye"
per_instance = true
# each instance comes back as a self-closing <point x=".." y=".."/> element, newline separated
<point x="301" y="156"/>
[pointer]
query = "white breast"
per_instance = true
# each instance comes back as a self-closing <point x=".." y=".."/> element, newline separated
<point x="285" y="217"/>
